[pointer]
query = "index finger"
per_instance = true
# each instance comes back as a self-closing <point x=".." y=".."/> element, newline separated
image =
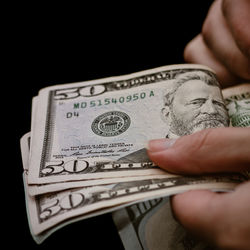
<point x="206" y="151"/>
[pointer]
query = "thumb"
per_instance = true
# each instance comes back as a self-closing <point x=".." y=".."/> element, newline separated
<point x="191" y="210"/>
<point x="219" y="218"/>
<point x="206" y="151"/>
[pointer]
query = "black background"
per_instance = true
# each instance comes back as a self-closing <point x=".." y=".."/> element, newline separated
<point x="62" y="44"/>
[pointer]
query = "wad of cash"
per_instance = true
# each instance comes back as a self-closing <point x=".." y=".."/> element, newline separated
<point x="86" y="152"/>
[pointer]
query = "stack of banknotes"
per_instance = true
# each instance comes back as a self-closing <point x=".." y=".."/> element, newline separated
<point x="86" y="152"/>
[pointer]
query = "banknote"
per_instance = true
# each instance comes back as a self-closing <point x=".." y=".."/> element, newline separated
<point x="150" y="224"/>
<point x="49" y="212"/>
<point x="86" y="155"/>
<point x="56" y="207"/>
<point x="91" y="130"/>
<point x="29" y="199"/>
<point x="237" y="100"/>
<point x="38" y="189"/>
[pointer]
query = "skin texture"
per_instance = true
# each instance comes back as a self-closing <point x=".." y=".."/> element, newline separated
<point x="206" y="151"/>
<point x="195" y="105"/>
<point x="222" y="219"/>
<point x="224" y="43"/>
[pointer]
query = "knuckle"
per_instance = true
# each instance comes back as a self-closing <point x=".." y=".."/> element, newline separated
<point x="211" y="22"/>
<point x="247" y="73"/>
<point x="243" y="71"/>
<point x="191" y="51"/>
<point x="225" y="6"/>
<point x="228" y="240"/>
<point x="188" y="52"/>
<point x="201" y="143"/>
<point x="201" y="139"/>
<point x="244" y="45"/>
<point x="206" y="29"/>
<point x="222" y="242"/>
<point x="237" y="17"/>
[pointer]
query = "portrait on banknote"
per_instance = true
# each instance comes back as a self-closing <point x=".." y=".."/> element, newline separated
<point x="86" y="125"/>
<point x="193" y="102"/>
<point x="86" y="152"/>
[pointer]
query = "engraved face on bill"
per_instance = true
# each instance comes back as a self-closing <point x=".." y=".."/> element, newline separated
<point x="78" y="126"/>
<point x="194" y="103"/>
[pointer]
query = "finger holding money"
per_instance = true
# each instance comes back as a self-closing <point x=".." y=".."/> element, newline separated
<point x="221" y="219"/>
<point x="207" y="151"/>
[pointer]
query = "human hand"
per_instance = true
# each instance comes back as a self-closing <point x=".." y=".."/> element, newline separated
<point x="224" y="43"/>
<point x="222" y="219"/>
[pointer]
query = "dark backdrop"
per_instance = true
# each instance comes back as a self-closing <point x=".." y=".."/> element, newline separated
<point x="63" y="44"/>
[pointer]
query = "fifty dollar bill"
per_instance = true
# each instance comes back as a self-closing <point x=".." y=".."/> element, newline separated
<point x="150" y="225"/>
<point x="94" y="133"/>
<point x="86" y="130"/>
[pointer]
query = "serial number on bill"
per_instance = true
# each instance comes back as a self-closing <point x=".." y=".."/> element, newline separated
<point x="114" y="100"/>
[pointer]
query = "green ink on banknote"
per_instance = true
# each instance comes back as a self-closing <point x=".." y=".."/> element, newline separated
<point x="113" y="100"/>
<point x="241" y="118"/>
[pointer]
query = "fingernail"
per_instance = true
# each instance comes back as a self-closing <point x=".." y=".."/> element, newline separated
<point x="160" y="144"/>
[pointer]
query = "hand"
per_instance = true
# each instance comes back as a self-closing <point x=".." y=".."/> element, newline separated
<point x="221" y="219"/>
<point x="224" y="44"/>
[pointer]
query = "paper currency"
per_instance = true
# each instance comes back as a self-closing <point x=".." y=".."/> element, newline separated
<point x="237" y="100"/>
<point x="80" y="131"/>
<point x="51" y="211"/>
<point x="150" y="225"/>
<point x="169" y="119"/>
<point x="53" y="187"/>
<point x="86" y="152"/>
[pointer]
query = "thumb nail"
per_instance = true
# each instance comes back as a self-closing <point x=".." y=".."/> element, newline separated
<point x="160" y="144"/>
